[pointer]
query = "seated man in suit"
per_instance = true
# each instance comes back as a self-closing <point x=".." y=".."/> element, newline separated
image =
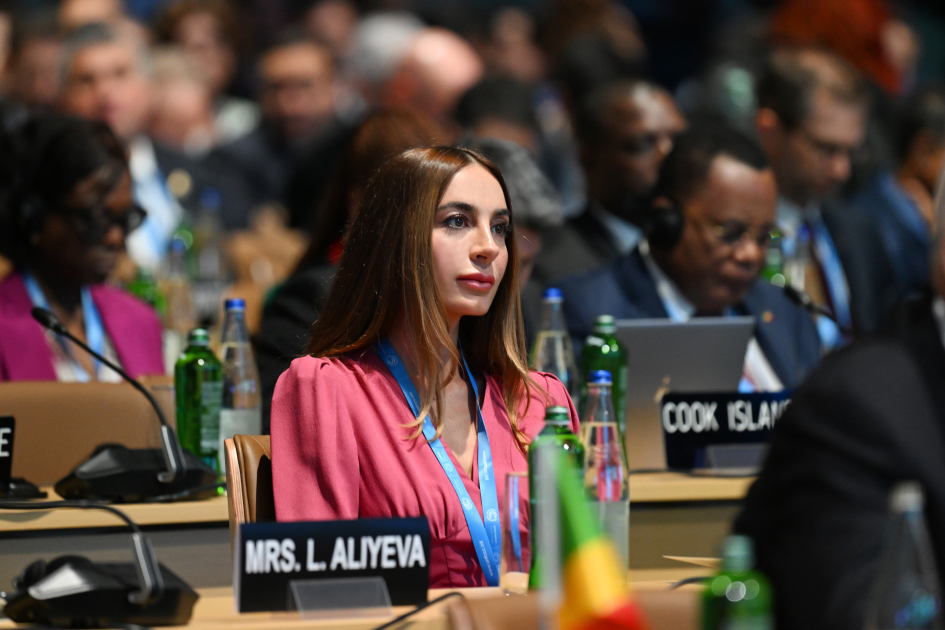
<point x="812" y="111"/>
<point x="625" y="130"/>
<point x="870" y="416"/>
<point x="712" y="216"/>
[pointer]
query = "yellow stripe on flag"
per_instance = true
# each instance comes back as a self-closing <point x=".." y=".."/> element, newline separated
<point x="592" y="584"/>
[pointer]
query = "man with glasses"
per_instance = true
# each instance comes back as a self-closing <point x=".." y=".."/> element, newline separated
<point x="711" y="223"/>
<point x="812" y="110"/>
<point x="625" y="130"/>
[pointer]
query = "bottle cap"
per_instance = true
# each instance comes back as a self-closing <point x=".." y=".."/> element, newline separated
<point x="738" y="554"/>
<point x="235" y="304"/>
<point x="198" y="337"/>
<point x="605" y="324"/>
<point x="599" y="377"/>
<point x="557" y="415"/>
<point x="906" y="496"/>
<point x="552" y="295"/>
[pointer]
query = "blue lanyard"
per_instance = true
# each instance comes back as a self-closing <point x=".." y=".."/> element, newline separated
<point x="94" y="329"/>
<point x="487" y="539"/>
<point x="833" y="271"/>
<point x="515" y="533"/>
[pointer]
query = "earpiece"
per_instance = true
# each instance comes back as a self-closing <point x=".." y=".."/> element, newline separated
<point x="664" y="223"/>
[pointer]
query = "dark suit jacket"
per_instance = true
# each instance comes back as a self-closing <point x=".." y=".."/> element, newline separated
<point x="286" y="322"/>
<point x="874" y="292"/>
<point x="626" y="290"/>
<point x="869" y="416"/>
<point x="579" y="245"/>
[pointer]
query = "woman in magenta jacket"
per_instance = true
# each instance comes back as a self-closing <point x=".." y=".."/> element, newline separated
<point x="416" y="397"/>
<point x="66" y="209"/>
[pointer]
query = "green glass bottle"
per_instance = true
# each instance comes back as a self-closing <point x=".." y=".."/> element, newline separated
<point x="738" y="598"/>
<point x="557" y="431"/>
<point x="198" y="385"/>
<point x="602" y="351"/>
<point x="145" y="287"/>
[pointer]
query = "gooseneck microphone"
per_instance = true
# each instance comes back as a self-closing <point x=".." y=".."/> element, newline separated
<point x="805" y="302"/>
<point x="119" y="471"/>
<point x="72" y="589"/>
<point x="173" y="453"/>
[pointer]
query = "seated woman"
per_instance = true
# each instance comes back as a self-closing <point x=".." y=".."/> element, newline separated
<point x="65" y="215"/>
<point x="425" y="304"/>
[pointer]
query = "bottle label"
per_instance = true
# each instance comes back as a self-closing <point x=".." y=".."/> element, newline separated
<point x="211" y="397"/>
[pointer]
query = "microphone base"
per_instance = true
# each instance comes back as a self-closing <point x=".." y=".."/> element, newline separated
<point x="123" y="475"/>
<point x="95" y="595"/>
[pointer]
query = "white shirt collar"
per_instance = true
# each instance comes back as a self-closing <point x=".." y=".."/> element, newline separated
<point x="791" y="216"/>
<point x="677" y="306"/>
<point x="624" y="234"/>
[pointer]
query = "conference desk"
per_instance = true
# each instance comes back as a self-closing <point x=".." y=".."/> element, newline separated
<point x="214" y="611"/>
<point x="671" y="514"/>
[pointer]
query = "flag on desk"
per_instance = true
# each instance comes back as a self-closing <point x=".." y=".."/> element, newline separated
<point x="594" y="590"/>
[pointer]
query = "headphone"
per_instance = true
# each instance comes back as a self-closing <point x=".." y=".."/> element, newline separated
<point x="661" y="221"/>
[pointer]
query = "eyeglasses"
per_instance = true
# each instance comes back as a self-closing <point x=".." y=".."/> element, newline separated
<point x="93" y="223"/>
<point x="735" y="234"/>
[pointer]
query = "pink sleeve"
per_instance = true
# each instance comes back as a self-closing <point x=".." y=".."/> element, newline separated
<point x="314" y="452"/>
<point x="559" y="396"/>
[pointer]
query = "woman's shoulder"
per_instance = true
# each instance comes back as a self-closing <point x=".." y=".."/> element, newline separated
<point x="350" y="368"/>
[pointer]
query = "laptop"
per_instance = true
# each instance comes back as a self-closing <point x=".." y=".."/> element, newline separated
<point x="705" y="354"/>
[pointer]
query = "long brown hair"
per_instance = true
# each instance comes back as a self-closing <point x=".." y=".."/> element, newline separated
<point x="386" y="272"/>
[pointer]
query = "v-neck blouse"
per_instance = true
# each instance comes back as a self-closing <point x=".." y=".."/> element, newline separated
<point x="340" y="450"/>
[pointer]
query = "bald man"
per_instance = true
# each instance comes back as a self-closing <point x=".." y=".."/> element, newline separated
<point x="625" y="131"/>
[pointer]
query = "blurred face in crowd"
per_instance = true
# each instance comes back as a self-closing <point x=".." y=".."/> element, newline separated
<point x="35" y="73"/>
<point x="639" y="128"/>
<point x="202" y="35"/>
<point x="812" y="160"/>
<point x="104" y="82"/>
<point x="470" y="252"/>
<point x="82" y="237"/>
<point x="727" y="224"/>
<point x="297" y="90"/>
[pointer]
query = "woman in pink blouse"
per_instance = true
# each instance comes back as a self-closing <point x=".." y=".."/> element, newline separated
<point x="416" y="398"/>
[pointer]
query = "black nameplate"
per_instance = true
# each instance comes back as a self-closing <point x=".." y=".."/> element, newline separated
<point x="269" y="556"/>
<point x="7" y="426"/>
<point x="693" y="421"/>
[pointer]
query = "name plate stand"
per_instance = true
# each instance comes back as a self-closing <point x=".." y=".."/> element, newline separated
<point x="7" y="427"/>
<point x="719" y="430"/>
<point x="332" y="568"/>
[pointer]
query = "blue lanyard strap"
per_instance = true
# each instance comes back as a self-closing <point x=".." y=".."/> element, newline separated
<point x="94" y="329"/>
<point x="487" y="539"/>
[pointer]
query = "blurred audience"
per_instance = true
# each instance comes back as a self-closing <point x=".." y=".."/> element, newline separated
<point x="438" y="67"/>
<point x="74" y="14"/>
<point x="212" y="32"/>
<point x="869" y="417"/>
<point x="899" y="201"/>
<point x="500" y="107"/>
<point x="299" y="122"/>
<point x="290" y="313"/>
<point x="625" y="130"/>
<point x="66" y="210"/>
<point x="714" y="209"/>
<point x="33" y="67"/>
<point x="106" y="76"/>
<point x="812" y="108"/>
